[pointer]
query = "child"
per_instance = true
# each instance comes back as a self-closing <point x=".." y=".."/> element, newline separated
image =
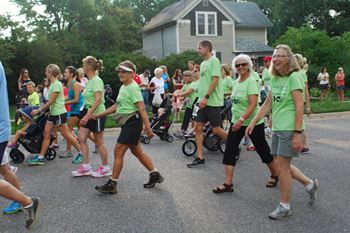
<point x="34" y="103"/>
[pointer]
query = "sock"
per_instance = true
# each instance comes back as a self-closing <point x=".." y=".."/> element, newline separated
<point x="28" y="206"/>
<point x="41" y="157"/>
<point x="112" y="179"/>
<point x="285" y="205"/>
<point x="309" y="186"/>
<point x="154" y="170"/>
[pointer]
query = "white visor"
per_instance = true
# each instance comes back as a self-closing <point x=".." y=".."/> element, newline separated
<point x="124" y="68"/>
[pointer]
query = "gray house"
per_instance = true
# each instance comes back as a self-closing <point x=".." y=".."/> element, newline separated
<point x="233" y="27"/>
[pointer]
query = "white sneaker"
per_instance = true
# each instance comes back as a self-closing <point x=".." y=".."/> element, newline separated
<point x="102" y="172"/>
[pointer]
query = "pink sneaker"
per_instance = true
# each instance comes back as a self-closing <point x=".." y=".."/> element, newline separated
<point x="83" y="170"/>
<point x="102" y="172"/>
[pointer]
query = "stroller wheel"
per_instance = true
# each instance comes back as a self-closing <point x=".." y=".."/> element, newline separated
<point x="170" y="138"/>
<point x="146" y="140"/>
<point x="189" y="147"/>
<point x="50" y="154"/>
<point x="17" y="156"/>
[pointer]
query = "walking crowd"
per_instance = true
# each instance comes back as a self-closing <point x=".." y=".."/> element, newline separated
<point x="263" y="102"/>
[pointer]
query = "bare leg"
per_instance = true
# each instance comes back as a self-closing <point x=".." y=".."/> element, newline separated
<point x="46" y="140"/>
<point x="142" y="157"/>
<point x="119" y="152"/>
<point x="10" y="192"/>
<point x="220" y="132"/>
<point x="299" y="176"/>
<point x="199" y="139"/>
<point x="82" y="138"/>
<point x="69" y="136"/>
<point x="71" y="123"/>
<point x="285" y="178"/>
<point x="9" y="176"/>
<point x="101" y="147"/>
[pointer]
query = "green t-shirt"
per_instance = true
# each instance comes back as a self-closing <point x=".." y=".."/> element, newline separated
<point x="191" y="97"/>
<point x="34" y="99"/>
<point x="258" y="83"/>
<point x="94" y="85"/>
<point x="210" y="68"/>
<point x="266" y="77"/>
<point x="228" y="85"/>
<point x="283" y="108"/>
<point x="195" y="87"/>
<point x="57" y="108"/>
<point x="303" y="77"/>
<point x="127" y="98"/>
<point x="240" y="99"/>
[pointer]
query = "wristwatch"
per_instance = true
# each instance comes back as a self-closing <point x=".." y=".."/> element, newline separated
<point x="298" y="131"/>
<point x="242" y="119"/>
<point x="207" y="96"/>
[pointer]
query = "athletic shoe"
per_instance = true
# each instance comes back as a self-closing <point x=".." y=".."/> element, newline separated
<point x="54" y="146"/>
<point x="14" y="169"/>
<point x="36" y="161"/>
<point x="179" y="134"/>
<point x="154" y="178"/>
<point x="13" y="208"/>
<point x="66" y="154"/>
<point x="280" y="212"/>
<point x="83" y="170"/>
<point x="33" y="213"/>
<point x="313" y="192"/>
<point x="78" y="159"/>
<point x="251" y="148"/>
<point x="305" y="150"/>
<point x="108" y="188"/>
<point x="102" y="172"/>
<point x="197" y="162"/>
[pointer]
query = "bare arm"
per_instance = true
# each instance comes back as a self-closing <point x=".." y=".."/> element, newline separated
<point x="97" y="102"/>
<point x="299" y="107"/>
<point x="76" y="89"/>
<point x="112" y="109"/>
<point x="253" y="100"/>
<point x="47" y="105"/>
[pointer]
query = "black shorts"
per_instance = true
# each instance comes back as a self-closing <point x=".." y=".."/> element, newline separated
<point x="3" y="146"/>
<point x="74" y="115"/>
<point x="58" y="120"/>
<point x="131" y="131"/>
<point x="97" y="125"/>
<point x="211" y="114"/>
<point x="83" y="113"/>
<point x="324" y="86"/>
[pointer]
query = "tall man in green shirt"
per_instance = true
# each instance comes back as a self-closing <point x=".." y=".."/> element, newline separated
<point x="210" y="99"/>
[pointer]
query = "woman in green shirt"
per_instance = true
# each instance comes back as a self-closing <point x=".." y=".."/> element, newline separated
<point x="131" y="115"/>
<point x="245" y="106"/>
<point x="94" y="104"/>
<point x="285" y="99"/>
<point x="57" y="117"/>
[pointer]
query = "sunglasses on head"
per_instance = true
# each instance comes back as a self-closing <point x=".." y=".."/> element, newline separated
<point x="241" y="64"/>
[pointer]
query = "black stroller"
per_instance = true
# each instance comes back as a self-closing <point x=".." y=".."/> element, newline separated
<point x="161" y="125"/>
<point x="21" y="102"/>
<point x="32" y="141"/>
<point x="211" y="142"/>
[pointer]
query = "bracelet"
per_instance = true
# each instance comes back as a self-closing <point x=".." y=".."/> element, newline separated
<point x="242" y="119"/>
<point x="308" y="108"/>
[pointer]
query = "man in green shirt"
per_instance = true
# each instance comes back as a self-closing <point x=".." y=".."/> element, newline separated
<point x="266" y="77"/>
<point x="210" y="99"/>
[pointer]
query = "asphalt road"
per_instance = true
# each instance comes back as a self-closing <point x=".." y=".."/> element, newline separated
<point x="185" y="202"/>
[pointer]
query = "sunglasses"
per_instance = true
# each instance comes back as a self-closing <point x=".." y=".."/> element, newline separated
<point x="242" y="64"/>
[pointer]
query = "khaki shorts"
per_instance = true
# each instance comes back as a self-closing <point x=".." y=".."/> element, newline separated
<point x="281" y="144"/>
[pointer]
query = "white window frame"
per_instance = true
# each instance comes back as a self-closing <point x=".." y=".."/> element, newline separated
<point x="206" y="26"/>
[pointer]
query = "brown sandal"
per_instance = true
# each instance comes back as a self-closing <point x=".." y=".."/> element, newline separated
<point x="272" y="183"/>
<point x="227" y="189"/>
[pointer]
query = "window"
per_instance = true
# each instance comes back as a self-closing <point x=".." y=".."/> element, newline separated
<point x="206" y="23"/>
<point x="205" y="2"/>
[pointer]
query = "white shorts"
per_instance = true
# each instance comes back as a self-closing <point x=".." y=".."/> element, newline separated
<point x="5" y="159"/>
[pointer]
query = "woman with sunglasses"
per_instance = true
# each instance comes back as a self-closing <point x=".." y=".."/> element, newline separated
<point x="286" y="101"/>
<point x="94" y="104"/>
<point x="131" y="115"/>
<point x="245" y="106"/>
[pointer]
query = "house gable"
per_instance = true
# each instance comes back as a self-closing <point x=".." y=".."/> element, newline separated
<point x="200" y="7"/>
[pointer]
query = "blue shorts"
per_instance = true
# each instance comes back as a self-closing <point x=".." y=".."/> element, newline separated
<point x="341" y="88"/>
